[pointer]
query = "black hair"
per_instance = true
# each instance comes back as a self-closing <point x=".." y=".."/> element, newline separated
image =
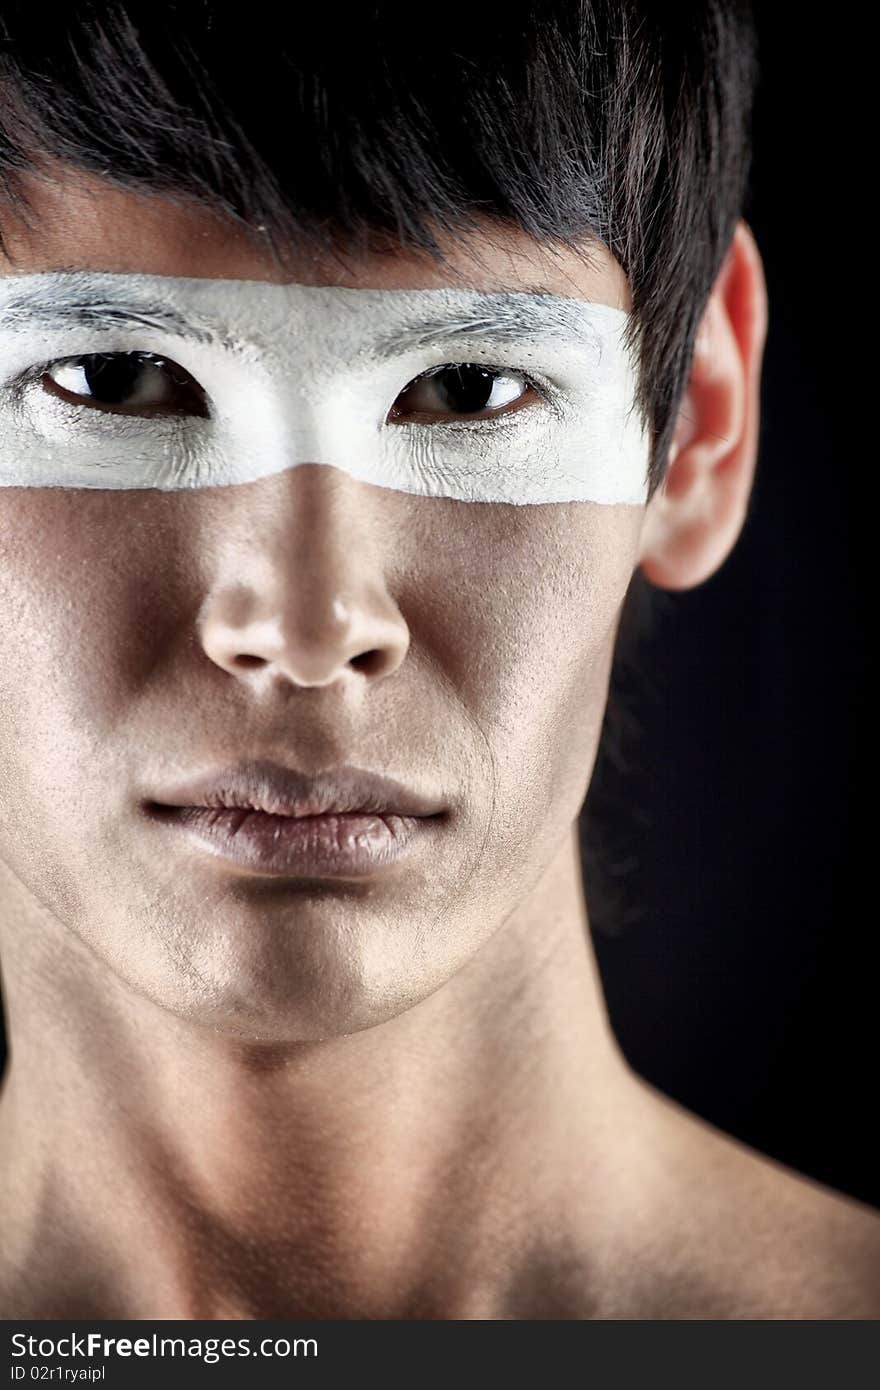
<point x="622" y="121"/>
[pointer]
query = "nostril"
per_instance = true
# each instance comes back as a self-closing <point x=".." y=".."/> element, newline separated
<point x="371" y="663"/>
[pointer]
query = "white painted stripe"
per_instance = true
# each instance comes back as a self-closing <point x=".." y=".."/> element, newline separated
<point x="307" y="374"/>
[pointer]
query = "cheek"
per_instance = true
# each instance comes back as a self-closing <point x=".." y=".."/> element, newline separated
<point x="78" y="625"/>
<point x="526" y="602"/>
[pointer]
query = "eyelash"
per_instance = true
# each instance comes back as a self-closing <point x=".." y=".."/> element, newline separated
<point x="506" y="370"/>
<point x="32" y="376"/>
<point x="543" y="389"/>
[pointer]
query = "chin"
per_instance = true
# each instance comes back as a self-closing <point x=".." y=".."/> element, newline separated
<point x="315" y="971"/>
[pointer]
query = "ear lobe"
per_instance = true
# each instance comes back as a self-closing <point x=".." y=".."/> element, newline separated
<point x="693" y="520"/>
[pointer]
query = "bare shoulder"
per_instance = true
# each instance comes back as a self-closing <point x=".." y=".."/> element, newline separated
<point x="743" y="1236"/>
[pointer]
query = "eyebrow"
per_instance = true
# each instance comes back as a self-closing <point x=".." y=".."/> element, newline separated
<point x="43" y="307"/>
<point x="507" y="315"/>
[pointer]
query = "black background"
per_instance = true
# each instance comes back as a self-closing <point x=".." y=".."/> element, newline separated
<point x="741" y="977"/>
<point x="741" y="980"/>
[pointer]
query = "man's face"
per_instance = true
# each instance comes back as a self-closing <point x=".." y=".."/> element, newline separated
<point x="149" y="637"/>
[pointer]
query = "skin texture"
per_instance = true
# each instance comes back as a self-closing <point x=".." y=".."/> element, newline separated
<point x="393" y="1098"/>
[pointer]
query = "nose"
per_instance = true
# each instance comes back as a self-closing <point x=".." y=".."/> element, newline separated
<point x="300" y="585"/>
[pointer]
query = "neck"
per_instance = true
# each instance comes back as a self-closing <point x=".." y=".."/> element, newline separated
<point x="426" y="1167"/>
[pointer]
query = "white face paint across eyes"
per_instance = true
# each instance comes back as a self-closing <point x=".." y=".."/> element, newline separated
<point x="294" y="374"/>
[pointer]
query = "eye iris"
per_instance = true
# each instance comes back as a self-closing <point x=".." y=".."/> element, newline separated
<point x="114" y="377"/>
<point x="466" y="388"/>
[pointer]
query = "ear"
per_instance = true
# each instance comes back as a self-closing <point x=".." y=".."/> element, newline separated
<point x="694" y="518"/>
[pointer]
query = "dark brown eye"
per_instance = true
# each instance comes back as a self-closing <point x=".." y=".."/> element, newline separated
<point x="461" y="391"/>
<point x="126" y="383"/>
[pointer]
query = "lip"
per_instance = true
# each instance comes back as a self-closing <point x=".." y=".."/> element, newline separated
<point x="261" y="816"/>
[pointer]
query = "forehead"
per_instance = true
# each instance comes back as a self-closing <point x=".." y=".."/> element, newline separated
<point x="77" y="221"/>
